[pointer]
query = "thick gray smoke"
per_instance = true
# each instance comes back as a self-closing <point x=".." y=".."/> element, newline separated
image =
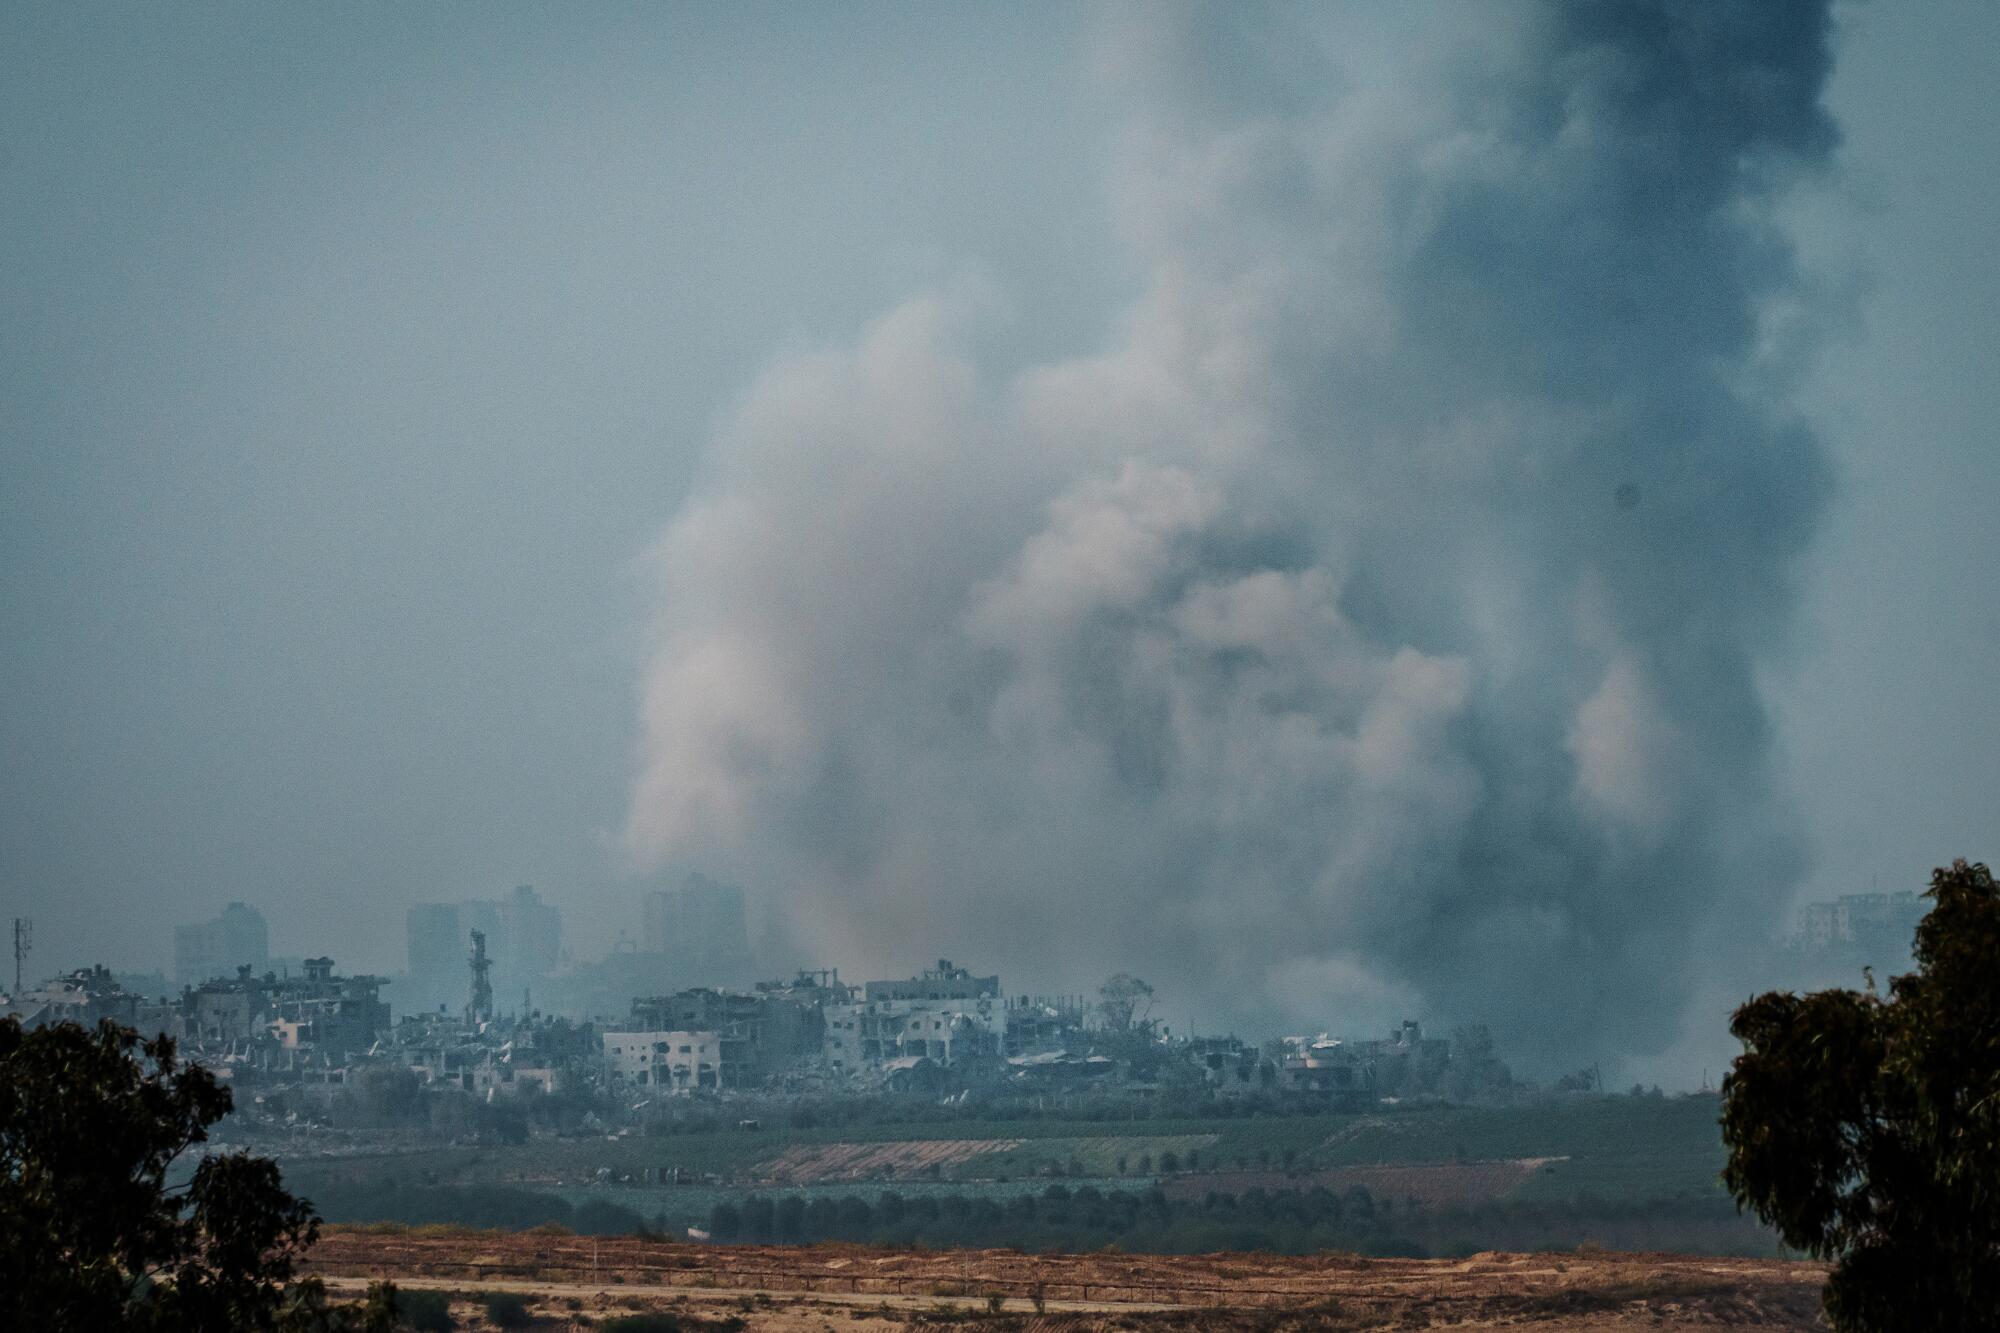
<point x="1376" y="625"/>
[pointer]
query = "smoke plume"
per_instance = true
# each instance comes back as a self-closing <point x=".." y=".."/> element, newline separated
<point x="1375" y="626"/>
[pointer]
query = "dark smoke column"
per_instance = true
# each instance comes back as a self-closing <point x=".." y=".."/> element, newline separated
<point x="1373" y="629"/>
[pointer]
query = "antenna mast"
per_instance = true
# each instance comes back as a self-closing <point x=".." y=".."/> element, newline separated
<point x="24" y="940"/>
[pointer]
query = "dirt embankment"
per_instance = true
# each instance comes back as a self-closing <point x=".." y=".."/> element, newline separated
<point x="1224" y="1291"/>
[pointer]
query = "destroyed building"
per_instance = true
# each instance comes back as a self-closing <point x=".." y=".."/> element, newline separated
<point x="1405" y="1061"/>
<point x="760" y="1034"/>
<point x="672" y="1061"/>
<point x="1230" y="1065"/>
<point x="332" y="1015"/>
<point x="1039" y="1025"/>
<point x="511" y="1058"/>
<point x="88" y="996"/>
<point x="944" y="1014"/>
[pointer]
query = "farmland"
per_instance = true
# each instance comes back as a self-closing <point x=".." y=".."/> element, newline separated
<point x="1640" y="1145"/>
<point x="1610" y="1166"/>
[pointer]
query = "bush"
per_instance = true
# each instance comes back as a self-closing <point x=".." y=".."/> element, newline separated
<point x="643" y="1323"/>
<point x="507" y="1309"/>
<point x="424" y="1311"/>
<point x="595" y="1217"/>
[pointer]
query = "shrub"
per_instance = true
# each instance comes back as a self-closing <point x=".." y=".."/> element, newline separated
<point x="596" y="1217"/>
<point x="424" y="1311"/>
<point x="507" y="1309"/>
<point x="643" y="1323"/>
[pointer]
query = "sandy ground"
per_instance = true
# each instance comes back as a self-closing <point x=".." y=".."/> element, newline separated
<point x="577" y="1282"/>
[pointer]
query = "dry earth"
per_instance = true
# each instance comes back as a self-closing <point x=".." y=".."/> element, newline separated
<point x="578" y="1282"/>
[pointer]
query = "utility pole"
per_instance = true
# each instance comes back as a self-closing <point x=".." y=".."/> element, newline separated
<point x="24" y="940"/>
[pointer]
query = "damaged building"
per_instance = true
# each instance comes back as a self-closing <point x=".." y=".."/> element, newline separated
<point x="666" y="1061"/>
<point x="88" y="996"/>
<point x="1406" y="1059"/>
<point x="332" y="1015"/>
<point x="943" y="1014"/>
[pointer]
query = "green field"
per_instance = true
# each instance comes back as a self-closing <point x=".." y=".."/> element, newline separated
<point x="1638" y="1172"/>
<point x="1615" y="1148"/>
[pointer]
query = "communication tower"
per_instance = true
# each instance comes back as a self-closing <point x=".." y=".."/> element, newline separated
<point x="481" y="1008"/>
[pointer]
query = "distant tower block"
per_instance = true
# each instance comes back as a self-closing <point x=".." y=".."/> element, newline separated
<point x="481" y="1008"/>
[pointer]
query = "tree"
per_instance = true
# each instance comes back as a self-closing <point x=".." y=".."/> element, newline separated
<point x="92" y="1235"/>
<point x="389" y="1093"/>
<point x="1867" y="1130"/>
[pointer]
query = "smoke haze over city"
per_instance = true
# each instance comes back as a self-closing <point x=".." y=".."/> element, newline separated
<point x="1345" y="513"/>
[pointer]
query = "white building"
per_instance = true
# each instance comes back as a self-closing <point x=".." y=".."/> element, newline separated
<point x="676" y="1061"/>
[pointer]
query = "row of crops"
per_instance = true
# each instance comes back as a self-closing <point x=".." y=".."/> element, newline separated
<point x="1614" y="1147"/>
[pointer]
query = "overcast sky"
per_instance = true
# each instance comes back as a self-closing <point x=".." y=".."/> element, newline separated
<point x="353" y="359"/>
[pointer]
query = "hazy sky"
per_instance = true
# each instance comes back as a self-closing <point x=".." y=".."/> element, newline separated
<point x="352" y="360"/>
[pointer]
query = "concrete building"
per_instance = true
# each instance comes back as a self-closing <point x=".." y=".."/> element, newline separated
<point x="237" y="937"/>
<point x="762" y="1034"/>
<point x="332" y="1015"/>
<point x="943" y="982"/>
<point x="945" y="1014"/>
<point x="530" y="943"/>
<point x="1406" y="1061"/>
<point x="1861" y="928"/>
<point x="699" y="926"/>
<point x="671" y="1061"/>
<point x="523" y="939"/>
<point x="435" y="943"/>
<point x="1040" y="1024"/>
<point x="88" y="996"/>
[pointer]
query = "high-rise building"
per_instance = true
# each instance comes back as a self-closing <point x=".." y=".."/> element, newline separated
<point x="236" y="938"/>
<point x="701" y="924"/>
<point x="436" y="944"/>
<point x="530" y="933"/>
<point x="523" y="942"/>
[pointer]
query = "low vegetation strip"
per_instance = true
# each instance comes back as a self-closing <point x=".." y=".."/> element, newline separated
<point x="1108" y="1156"/>
<point x="1096" y="1155"/>
<point x="1441" y="1184"/>
<point x="808" y="1164"/>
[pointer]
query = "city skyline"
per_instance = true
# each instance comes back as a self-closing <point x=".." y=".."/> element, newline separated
<point x="372" y="381"/>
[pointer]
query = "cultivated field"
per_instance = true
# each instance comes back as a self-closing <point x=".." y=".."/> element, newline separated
<point x="811" y="1164"/>
<point x="1615" y="1147"/>
<point x="1630" y="1172"/>
<point x="577" y="1279"/>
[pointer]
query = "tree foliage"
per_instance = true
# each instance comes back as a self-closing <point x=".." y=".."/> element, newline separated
<point x="93" y="1236"/>
<point x="1867" y="1130"/>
